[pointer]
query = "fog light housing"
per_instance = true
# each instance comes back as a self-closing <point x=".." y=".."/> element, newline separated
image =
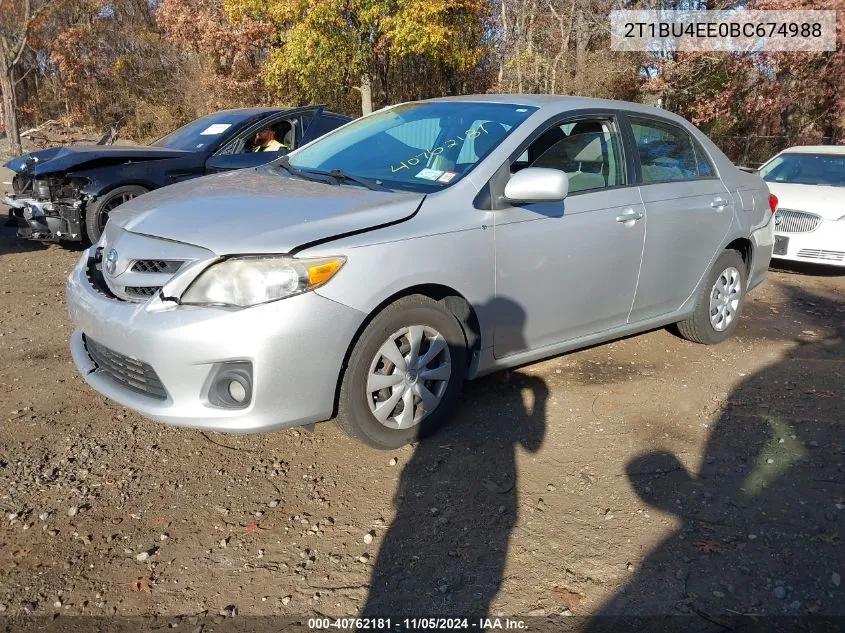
<point x="229" y="385"/>
<point x="31" y="212"/>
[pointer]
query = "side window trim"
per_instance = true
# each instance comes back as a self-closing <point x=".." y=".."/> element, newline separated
<point x="249" y="131"/>
<point x="701" y="154"/>
<point x="696" y="148"/>
<point x="270" y="119"/>
<point x="491" y="195"/>
<point x="572" y="117"/>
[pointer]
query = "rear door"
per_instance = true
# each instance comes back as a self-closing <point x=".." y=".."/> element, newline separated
<point x="689" y="212"/>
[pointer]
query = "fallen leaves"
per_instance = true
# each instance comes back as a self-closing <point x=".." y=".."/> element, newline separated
<point x="708" y="547"/>
<point x="497" y="488"/>
<point x="570" y="599"/>
<point x="141" y="585"/>
<point x="830" y="539"/>
<point x="21" y="553"/>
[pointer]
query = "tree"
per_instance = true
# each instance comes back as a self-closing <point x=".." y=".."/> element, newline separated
<point x="561" y="47"/>
<point x="323" y="49"/>
<point x="15" y="26"/>
<point x="797" y="95"/>
<point x="231" y="55"/>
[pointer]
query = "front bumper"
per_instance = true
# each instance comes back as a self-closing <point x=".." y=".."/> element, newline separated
<point x="296" y="347"/>
<point x="823" y="245"/>
<point x="45" y="221"/>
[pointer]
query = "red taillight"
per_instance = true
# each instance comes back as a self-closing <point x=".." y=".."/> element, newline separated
<point x="773" y="202"/>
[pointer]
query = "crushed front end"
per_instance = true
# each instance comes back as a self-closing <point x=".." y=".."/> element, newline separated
<point x="46" y="209"/>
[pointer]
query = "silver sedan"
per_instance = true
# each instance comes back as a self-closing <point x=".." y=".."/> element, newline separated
<point x="368" y="274"/>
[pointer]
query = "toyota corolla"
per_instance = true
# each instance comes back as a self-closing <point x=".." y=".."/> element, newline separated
<point x="367" y="274"/>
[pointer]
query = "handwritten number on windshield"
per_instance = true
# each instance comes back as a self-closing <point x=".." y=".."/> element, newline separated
<point x="449" y="144"/>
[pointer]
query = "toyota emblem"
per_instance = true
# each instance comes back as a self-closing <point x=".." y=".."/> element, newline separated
<point x="111" y="262"/>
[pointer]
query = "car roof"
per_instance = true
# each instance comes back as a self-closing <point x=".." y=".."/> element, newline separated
<point x="270" y="110"/>
<point x="815" y="149"/>
<point x="558" y="103"/>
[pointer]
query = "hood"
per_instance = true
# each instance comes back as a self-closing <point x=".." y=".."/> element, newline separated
<point x="828" y="202"/>
<point x="62" y="159"/>
<point x="260" y="211"/>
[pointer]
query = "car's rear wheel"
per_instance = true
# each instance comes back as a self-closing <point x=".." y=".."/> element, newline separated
<point x="97" y="213"/>
<point x="404" y="374"/>
<point x="719" y="303"/>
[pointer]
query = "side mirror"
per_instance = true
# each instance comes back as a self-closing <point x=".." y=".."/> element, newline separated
<point x="537" y="184"/>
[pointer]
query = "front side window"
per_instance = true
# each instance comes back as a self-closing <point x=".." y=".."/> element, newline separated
<point x="806" y="169"/>
<point x="666" y="151"/>
<point x="588" y="150"/>
<point x="415" y="146"/>
<point x="272" y="137"/>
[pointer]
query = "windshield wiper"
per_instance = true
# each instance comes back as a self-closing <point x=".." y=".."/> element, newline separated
<point x="333" y="177"/>
<point x="284" y="163"/>
<point x="341" y="176"/>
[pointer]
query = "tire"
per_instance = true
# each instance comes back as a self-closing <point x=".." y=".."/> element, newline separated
<point x="97" y="214"/>
<point x="719" y="303"/>
<point x="439" y="332"/>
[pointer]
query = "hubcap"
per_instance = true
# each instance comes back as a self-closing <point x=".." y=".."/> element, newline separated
<point x="724" y="299"/>
<point x="408" y="376"/>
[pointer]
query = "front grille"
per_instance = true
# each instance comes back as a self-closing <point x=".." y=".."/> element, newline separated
<point x="94" y="275"/>
<point x="129" y="372"/>
<point x="814" y="253"/>
<point x="157" y="265"/>
<point x="142" y="292"/>
<point x="789" y="221"/>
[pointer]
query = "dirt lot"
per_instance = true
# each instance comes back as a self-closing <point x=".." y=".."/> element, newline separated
<point x="646" y="476"/>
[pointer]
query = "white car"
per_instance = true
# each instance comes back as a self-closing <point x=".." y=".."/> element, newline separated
<point x="809" y="182"/>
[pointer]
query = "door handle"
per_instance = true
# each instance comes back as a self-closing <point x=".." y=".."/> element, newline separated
<point x="719" y="203"/>
<point x="629" y="215"/>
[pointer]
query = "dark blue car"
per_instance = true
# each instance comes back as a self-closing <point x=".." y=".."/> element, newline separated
<point x="66" y="193"/>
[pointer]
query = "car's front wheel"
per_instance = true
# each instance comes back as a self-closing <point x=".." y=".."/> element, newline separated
<point x="97" y="213"/>
<point x="719" y="303"/>
<point x="404" y="374"/>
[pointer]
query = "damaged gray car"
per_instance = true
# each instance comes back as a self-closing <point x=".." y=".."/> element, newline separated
<point x="67" y="193"/>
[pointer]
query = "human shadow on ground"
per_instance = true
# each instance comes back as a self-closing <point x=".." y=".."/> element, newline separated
<point x="457" y="501"/>
<point x="762" y="522"/>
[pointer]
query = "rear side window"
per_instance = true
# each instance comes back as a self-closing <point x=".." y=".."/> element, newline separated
<point x="666" y="152"/>
<point x="705" y="168"/>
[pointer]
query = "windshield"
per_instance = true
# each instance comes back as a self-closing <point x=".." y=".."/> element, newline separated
<point x="806" y="169"/>
<point x="204" y="131"/>
<point x="415" y="146"/>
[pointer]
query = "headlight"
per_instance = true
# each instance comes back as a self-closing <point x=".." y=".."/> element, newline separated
<point x="248" y="281"/>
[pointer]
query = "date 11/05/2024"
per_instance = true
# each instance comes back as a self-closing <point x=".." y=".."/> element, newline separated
<point x="416" y="624"/>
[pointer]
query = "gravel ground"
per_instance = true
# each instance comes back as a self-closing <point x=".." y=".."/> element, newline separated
<point x="646" y="476"/>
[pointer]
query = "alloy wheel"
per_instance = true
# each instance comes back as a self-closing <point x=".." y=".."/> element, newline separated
<point x="110" y="206"/>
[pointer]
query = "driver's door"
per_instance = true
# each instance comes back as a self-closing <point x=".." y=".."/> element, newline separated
<point x="572" y="265"/>
<point x="237" y="153"/>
